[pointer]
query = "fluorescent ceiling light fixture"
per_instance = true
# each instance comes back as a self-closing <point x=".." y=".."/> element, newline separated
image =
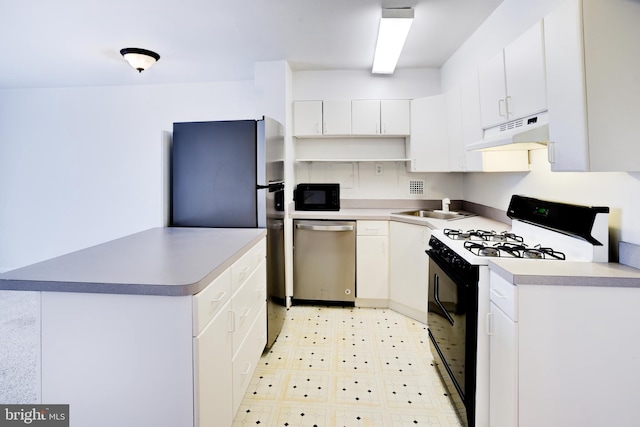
<point x="139" y="59"/>
<point x="393" y="31"/>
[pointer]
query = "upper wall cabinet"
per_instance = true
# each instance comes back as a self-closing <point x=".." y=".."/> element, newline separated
<point x="362" y="117"/>
<point x="428" y="145"/>
<point x="336" y="115"/>
<point x="316" y="118"/>
<point x="512" y="83"/>
<point x="389" y="117"/>
<point x="464" y="127"/>
<point x="593" y="72"/>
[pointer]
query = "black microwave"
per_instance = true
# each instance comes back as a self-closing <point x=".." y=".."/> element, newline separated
<point x="317" y="197"/>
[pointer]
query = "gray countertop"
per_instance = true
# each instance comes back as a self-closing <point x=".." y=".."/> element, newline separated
<point x="159" y="261"/>
<point x="391" y="214"/>
<point x="563" y="273"/>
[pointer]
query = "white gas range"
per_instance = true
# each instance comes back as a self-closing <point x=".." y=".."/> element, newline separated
<point x="542" y="231"/>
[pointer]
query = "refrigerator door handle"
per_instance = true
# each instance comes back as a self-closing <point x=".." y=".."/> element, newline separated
<point x="272" y="186"/>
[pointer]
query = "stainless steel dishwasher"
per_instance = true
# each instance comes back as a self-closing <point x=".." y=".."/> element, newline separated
<point x="324" y="260"/>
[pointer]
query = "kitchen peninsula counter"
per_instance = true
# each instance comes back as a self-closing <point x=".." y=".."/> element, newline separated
<point x="160" y="261"/>
<point x="154" y="323"/>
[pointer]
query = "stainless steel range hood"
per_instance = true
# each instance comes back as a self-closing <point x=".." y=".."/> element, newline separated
<point x="528" y="133"/>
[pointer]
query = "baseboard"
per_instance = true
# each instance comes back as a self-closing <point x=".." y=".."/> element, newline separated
<point x="372" y="303"/>
<point x="418" y="315"/>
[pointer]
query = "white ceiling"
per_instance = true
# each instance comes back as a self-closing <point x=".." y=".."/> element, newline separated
<point x="61" y="43"/>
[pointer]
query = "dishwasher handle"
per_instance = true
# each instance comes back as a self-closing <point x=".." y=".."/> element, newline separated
<point x="325" y="227"/>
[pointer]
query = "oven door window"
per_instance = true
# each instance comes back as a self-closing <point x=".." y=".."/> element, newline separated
<point x="447" y="321"/>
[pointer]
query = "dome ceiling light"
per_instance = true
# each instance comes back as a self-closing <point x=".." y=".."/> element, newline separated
<point x="140" y="59"/>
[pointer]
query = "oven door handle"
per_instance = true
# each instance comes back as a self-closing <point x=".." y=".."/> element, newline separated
<point x="436" y="297"/>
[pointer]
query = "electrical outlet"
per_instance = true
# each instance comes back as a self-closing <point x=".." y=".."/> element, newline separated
<point x="377" y="168"/>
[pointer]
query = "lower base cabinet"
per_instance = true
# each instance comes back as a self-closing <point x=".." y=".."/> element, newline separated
<point x="213" y="374"/>
<point x="503" y="368"/>
<point x="229" y="347"/>
<point x="408" y="269"/>
<point x="372" y="263"/>
<point x="563" y="355"/>
<point x="161" y="361"/>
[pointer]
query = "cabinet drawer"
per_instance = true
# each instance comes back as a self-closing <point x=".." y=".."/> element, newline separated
<point x="212" y="374"/>
<point x="373" y="228"/>
<point x="242" y="268"/>
<point x="504" y="294"/>
<point x="246" y="361"/>
<point x="247" y="302"/>
<point x="210" y="300"/>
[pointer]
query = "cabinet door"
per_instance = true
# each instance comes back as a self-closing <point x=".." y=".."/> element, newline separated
<point x="372" y="267"/>
<point x="246" y="361"/>
<point x="503" y="369"/>
<point x="493" y="91"/>
<point x="428" y="146"/>
<point x="395" y="116"/>
<point x="365" y="117"/>
<point x="525" y="74"/>
<point x="336" y="116"/>
<point x="307" y="118"/>
<point x="213" y="374"/>
<point x="471" y="122"/>
<point x="592" y="74"/>
<point x="408" y="269"/>
<point x="454" y="130"/>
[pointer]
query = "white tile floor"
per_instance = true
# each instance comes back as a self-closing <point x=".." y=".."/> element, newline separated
<point x="334" y="366"/>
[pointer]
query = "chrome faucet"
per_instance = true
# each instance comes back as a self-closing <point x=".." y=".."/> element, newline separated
<point x="445" y="204"/>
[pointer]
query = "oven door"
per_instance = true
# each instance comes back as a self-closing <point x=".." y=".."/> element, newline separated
<point x="447" y="323"/>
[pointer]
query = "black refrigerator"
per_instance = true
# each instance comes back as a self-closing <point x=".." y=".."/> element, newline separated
<point x="230" y="174"/>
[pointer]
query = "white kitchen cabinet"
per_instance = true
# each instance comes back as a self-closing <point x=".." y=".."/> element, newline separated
<point x="428" y="144"/>
<point x="317" y="118"/>
<point x="228" y="339"/>
<point x="174" y="353"/>
<point x="512" y="83"/>
<point x="365" y="116"/>
<point x="307" y="118"/>
<point x="465" y="127"/>
<point x="372" y="263"/>
<point x="212" y="363"/>
<point x="246" y="359"/>
<point x="336" y="116"/>
<point x="503" y="355"/>
<point x="361" y="117"/>
<point x="408" y="269"/>
<point x="592" y="75"/>
<point x="246" y="304"/>
<point x="561" y="357"/>
<point x="395" y="117"/>
<point x="380" y="117"/>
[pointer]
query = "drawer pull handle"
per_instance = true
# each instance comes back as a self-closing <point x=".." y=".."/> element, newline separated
<point x="219" y="298"/>
<point x="244" y="272"/>
<point x="497" y="293"/>
<point x="247" y="369"/>
<point x="231" y="321"/>
<point x="489" y="324"/>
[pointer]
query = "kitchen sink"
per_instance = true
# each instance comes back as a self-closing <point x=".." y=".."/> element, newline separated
<point x="437" y="214"/>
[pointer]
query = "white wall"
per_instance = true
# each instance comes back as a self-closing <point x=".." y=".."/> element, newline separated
<point x="358" y="179"/>
<point x="361" y="84"/>
<point x="620" y="191"/>
<point x="80" y="166"/>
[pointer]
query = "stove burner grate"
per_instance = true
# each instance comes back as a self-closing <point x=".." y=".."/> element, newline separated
<point x="514" y="250"/>
<point x="483" y="235"/>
